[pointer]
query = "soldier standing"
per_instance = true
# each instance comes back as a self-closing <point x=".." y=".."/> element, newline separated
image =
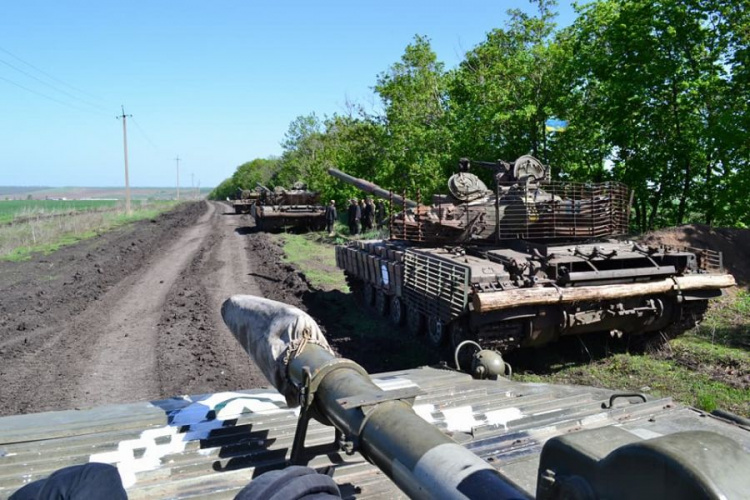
<point x="379" y="213"/>
<point x="330" y="216"/>
<point x="368" y="212"/>
<point x="354" y="215"/>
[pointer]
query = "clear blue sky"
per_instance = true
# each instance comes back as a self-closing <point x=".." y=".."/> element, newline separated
<point x="215" y="82"/>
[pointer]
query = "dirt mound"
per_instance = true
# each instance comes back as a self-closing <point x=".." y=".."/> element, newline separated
<point x="734" y="244"/>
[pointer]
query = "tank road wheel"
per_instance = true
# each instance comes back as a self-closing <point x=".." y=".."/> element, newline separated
<point x="436" y="331"/>
<point x="369" y="295"/>
<point x="414" y="320"/>
<point x="397" y="314"/>
<point x="381" y="303"/>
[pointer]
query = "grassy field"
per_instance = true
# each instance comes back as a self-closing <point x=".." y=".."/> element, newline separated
<point x="708" y="367"/>
<point x="13" y="209"/>
<point x="38" y="232"/>
<point x="82" y="192"/>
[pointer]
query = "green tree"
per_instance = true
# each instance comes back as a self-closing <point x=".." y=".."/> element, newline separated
<point x="654" y="81"/>
<point x="302" y="158"/>
<point x="501" y="95"/>
<point x="257" y="171"/>
<point x="417" y="139"/>
<point x="355" y="145"/>
<point x="226" y="189"/>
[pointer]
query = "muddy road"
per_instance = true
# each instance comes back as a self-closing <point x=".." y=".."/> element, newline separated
<point x="130" y="315"/>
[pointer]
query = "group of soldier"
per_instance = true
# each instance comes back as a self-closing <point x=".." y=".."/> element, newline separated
<point x="362" y="215"/>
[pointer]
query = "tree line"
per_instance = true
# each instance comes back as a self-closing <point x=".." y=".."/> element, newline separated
<point x="654" y="94"/>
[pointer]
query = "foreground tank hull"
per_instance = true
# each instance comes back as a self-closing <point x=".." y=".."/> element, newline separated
<point x="425" y="432"/>
<point x="528" y="295"/>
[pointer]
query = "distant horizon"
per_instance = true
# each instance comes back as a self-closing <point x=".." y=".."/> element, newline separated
<point x="8" y="193"/>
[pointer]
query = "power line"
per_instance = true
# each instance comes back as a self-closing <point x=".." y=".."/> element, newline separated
<point x="48" y="97"/>
<point x="145" y="136"/>
<point x="53" y="87"/>
<point x="48" y="75"/>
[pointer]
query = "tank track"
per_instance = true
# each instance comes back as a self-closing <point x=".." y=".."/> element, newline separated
<point x="691" y="315"/>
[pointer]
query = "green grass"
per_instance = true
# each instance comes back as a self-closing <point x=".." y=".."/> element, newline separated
<point x="52" y="234"/>
<point x="728" y="321"/>
<point x="10" y="209"/>
<point x="660" y="377"/>
<point x="315" y="257"/>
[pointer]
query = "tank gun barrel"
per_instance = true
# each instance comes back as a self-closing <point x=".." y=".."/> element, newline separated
<point x="371" y="188"/>
<point x="262" y="187"/>
<point x="290" y="349"/>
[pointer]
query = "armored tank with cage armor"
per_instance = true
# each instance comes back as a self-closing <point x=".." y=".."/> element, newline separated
<point x="296" y="209"/>
<point x="526" y="263"/>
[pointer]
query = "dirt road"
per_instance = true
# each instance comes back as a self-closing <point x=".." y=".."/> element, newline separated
<point x="128" y="316"/>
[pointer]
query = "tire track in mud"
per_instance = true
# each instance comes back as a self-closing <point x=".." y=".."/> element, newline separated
<point x="52" y="309"/>
<point x="196" y="352"/>
<point x="123" y="365"/>
<point x="137" y="318"/>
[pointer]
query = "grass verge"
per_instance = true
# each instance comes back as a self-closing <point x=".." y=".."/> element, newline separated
<point x="354" y="333"/>
<point x="314" y="256"/>
<point x="45" y="235"/>
<point x="691" y="371"/>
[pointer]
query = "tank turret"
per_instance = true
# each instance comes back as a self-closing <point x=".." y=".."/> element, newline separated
<point x="525" y="204"/>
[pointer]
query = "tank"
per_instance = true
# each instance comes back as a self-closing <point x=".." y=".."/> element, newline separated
<point x="295" y="209"/>
<point x="244" y="200"/>
<point x="526" y="263"/>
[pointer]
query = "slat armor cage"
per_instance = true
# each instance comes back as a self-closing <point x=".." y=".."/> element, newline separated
<point x="569" y="210"/>
<point x="533" y="211"/>
<point x="437" y="288"/>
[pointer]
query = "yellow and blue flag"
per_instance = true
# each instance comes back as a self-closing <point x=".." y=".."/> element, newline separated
<point x="555" y="125"/>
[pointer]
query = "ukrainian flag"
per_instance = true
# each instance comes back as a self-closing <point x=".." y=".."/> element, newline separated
<point x="555" y="125"/>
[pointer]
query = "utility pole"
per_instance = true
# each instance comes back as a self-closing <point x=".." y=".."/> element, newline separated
<point x="178" y="177"/>
<point x="125" y="148"/>
<point x="192" y="184"/>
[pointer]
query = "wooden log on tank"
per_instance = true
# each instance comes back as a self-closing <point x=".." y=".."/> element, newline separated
<point x="494" y="301"/>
